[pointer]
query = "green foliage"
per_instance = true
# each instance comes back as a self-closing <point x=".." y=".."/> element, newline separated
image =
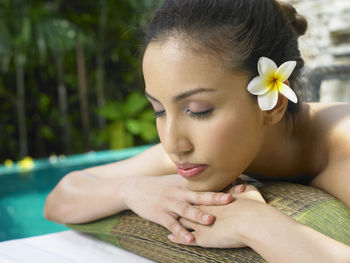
<point x="128" y="120"/>
<point x="39" y="34"/>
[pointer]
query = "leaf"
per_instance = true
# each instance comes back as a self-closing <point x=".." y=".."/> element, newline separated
<point x="148" y="114"/>
<point x="134" y="103"/>
<point x="47" y="133"/>
<point x="111" y="111"/>
<point x="25" y="35"/>
<point x="117" y="134"/>
<point x="120" y="138"/>
<point x="128" y="140"/>
<point x="133" y="126"/>
<point x="148" y="131"/>
<point x="44" y="102"/>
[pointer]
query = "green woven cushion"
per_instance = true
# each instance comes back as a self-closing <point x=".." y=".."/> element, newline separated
<point x="307" y="205"/>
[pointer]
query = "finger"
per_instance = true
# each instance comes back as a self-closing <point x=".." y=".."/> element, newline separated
<point x="188" y="224"/>
<point x="178" y="230"/>
<point x="253" y="193"/>
<point x="174" y="215"/>
<point x="250" y="192"/>
<point x="191" y="225"/>
<point x="178" y="240"/>
<point x="238" y="189"/>
<point x="208" y="198"/>
<point x="200" y="240"/>
<point x="192" y="213"/>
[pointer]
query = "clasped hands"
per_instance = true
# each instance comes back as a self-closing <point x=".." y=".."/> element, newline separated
<point x="225" y="231"/>
<point x="206" y="219"/>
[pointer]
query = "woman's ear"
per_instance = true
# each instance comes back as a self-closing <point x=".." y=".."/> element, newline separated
<point x="273" y="116"/>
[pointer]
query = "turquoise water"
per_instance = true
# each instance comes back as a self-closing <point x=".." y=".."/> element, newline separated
<point x="21" y="216"/>
<point x="23" y="193"/>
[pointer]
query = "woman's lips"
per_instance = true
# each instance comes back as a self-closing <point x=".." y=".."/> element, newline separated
<point x="190" y="170"/>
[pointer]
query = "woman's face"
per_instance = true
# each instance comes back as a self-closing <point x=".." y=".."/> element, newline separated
<point x="206" y="119"/>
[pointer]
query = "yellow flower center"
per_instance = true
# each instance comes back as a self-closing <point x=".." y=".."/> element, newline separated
<point x="274" y="83"/>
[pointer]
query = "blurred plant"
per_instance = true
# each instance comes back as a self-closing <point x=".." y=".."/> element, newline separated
<point x="29" y="31"/>
<point x="40" y="84"/>
<point x="15" y="45"/>
<point x="57" y="36"/>
<point x="128" y="120"/>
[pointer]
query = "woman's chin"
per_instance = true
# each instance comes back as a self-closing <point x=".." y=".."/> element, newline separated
<point x="201" y="186"/>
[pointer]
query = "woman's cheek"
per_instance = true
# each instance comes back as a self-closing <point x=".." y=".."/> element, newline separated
<point x="159" y="128"/>
<point x="225" y="133"/>
<point x="233" y="142"/>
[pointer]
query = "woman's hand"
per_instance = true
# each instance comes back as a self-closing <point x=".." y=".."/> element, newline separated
<point x="248" y="221"/>
<point x="163" y="200"/>
<point x="224" y="232"/>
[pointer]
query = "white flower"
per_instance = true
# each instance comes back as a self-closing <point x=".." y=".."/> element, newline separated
<point x="270" y="82"/>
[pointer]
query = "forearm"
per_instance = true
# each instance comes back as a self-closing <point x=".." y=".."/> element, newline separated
<point x="80" y="197"/>
<point x="278" y="238"/>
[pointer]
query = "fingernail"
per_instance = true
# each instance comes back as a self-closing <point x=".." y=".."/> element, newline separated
<point x="206" y="218"/>
<point x="171" y="237"/>
<point x="188" y="238"/>
<point x="225" y="197"/>
<point x="239" y="188"/>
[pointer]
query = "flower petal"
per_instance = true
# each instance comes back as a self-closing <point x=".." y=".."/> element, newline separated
<point x="269" y="100"/>
<point x="258" y="86"/>
<point x="288" y="93"/>
<point x="266" y="67"/>
<point x="285" y="70"/>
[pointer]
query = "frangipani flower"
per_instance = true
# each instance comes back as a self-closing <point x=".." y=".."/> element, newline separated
<point x="270" y="82"/>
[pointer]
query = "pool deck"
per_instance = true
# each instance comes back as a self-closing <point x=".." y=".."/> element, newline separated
<point x="64" y="247"/>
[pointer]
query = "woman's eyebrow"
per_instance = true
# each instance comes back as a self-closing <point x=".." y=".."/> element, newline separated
<point x="149" y="96"/>
<point x="183" y="95"/>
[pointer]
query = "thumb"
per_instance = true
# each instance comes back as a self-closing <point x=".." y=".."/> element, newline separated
<point x="247" y="191"/>
<point x="240" y="188"/>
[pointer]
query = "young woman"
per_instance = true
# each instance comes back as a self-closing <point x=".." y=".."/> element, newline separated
<point x="224" y="108"/>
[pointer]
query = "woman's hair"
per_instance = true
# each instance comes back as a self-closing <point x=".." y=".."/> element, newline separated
<point x="238" y="32"/>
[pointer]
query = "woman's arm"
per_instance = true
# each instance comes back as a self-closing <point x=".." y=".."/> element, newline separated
<point x="80" y="197"/>
<point x="96" y="192"/>
<point x="278" y="238"/>
<point x="135" y="184"/>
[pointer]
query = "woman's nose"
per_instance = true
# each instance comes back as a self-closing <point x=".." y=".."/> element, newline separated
<point x="175" y="139"/>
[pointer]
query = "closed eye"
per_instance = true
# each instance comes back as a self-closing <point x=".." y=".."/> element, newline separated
<point x="200" y="114"/>
<point x="159" y="113"/>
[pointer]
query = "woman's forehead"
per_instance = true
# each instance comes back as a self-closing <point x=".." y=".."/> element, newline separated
<point x="170" y="69"/>
<point x="174" y="55"/>
<point x="173" y="51"/>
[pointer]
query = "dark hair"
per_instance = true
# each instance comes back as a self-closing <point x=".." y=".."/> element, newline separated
<point x="239" y="32"/>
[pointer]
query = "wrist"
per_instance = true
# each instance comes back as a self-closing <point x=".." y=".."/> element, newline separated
<point x="125" y="185"/>
<point x="254" y="217"/>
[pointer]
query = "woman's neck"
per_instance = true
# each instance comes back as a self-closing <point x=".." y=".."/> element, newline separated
<point x="282" y="152"/>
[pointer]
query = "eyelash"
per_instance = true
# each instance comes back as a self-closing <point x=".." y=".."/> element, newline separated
<point x="159" y="113"/>
<point x="199" y="115"/>
<point x="194" y="115"/>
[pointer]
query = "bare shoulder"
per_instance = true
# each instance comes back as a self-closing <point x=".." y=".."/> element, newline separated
<point x="331" y="128"/>
<point x="330" y="123"/>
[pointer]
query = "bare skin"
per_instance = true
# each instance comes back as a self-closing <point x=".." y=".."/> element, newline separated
<point x="232" y="136"/>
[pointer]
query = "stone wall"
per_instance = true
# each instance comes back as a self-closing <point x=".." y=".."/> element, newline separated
<point x="327" y="41"/>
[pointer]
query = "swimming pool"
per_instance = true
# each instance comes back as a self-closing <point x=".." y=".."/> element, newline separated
<point x="23" y="192"/>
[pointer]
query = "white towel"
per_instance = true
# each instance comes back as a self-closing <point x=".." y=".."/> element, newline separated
<point x="65" y="247"/>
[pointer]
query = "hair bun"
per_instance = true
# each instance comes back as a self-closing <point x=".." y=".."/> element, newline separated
<point x="298" y="22"/>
